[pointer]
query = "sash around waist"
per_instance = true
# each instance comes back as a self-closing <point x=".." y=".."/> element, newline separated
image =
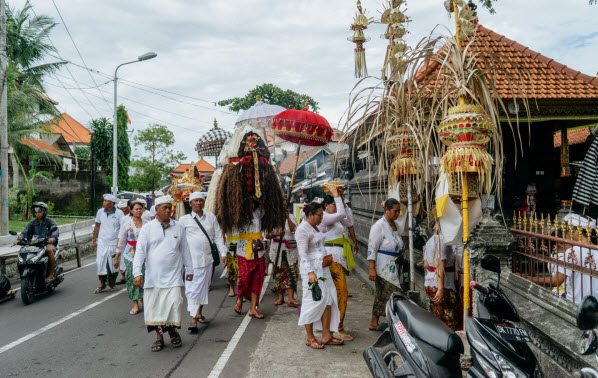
<point x="394" y="254"/>
<point x="450" y="269"/>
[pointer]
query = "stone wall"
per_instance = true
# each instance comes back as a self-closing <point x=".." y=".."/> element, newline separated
<point x="549" y="319"/>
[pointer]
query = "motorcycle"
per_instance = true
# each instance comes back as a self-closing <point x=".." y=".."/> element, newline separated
<point x="33" y="266"/>
<point x="417" y="344"/>
<point x="587" y="320"/>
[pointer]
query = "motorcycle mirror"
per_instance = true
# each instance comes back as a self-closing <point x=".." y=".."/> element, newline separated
<point x="13" y="233"/>
<point x="588" y="343"/>
<point x="53" y="229"/>
<point x="587" y="313"/>
<point x="491" y="263"/>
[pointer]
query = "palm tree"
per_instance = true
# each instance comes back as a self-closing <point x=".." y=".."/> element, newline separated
<point x="28" y="110"/>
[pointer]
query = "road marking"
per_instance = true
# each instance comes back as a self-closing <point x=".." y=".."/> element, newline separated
<point x="58" y="322"/>
<point x="230" y="348"/>
<point x="70" y="271"/>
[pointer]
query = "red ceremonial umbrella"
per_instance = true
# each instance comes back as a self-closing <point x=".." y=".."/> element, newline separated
<point x="301" y="127"/>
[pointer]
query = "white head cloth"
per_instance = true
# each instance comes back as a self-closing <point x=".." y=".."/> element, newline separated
<point x="121" y="204"/>
<point x="197" y="195"/>
<point x="110" y="197"/>
<point x="162" y="200"/>
<point x="577" y="219"/>
<point x="141" y="201"/>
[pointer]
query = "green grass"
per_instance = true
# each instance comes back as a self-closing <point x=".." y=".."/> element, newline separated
<point x="19" y="225"/>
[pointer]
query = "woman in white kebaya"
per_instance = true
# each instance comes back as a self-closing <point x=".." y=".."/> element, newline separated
<point x="314" y="266"/>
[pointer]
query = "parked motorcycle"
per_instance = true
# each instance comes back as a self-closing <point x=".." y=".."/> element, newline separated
<point x="33" y="266"/>
<point x="587" y="320"/>
<point x="417" y="344"/>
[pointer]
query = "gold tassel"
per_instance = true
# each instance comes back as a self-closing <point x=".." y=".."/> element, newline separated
<point x="256" y="168"/>
<point x="361" y="69"/>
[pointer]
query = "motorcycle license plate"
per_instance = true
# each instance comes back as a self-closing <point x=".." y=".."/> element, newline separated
<point x="513" y="334"/>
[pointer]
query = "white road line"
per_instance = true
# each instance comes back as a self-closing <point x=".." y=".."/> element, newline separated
<point x="230" y="348"/>
<point x="70" y="271"/>
<point x="58" y="322"/>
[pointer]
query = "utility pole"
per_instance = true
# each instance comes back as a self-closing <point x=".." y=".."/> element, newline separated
<point x="3" y="124"/>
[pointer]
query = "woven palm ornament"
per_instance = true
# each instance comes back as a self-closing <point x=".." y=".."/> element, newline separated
<point x="360" y="23"/>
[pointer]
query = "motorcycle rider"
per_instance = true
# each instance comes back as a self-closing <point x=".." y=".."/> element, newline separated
<point x="40" y="227"/>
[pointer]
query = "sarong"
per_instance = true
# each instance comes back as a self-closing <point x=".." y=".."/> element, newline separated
<point x="312" y="311"/>
<point x="135" y="292"/>
<point x="448" y="309"/>
<point x="104" y="257"/>
<point x="162" y="308"/>
<point x="342" y="293"/>
<point x="121" y="263"/>
<point x="251" y="276"/>
<point x="285" y="277"/>
<point x="197" y="290"/>
<point x="384" y="290"/>
<point x="232" y="267"/>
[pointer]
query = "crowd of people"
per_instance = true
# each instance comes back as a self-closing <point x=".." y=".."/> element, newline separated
<point x="163" y="261"/>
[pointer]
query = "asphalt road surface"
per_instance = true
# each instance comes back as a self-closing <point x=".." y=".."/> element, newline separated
<point x="75" y="333"/>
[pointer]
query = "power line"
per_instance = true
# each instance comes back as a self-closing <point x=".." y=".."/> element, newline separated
<point x="70" y="73"/>
<point x="138" y="85"/>
<point x="159" y="109"/>
<point x="76" y="48"/>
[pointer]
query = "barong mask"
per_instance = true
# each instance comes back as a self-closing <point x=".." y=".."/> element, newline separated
<point x="253" y="180"/>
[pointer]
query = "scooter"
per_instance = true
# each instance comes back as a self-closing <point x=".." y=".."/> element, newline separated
<point x="417" y="344"/>
<point x="587" y="320"/>
<point x="33" y="266"/>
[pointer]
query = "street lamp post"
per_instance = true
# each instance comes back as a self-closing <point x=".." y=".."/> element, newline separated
<point x="146" y="56"/>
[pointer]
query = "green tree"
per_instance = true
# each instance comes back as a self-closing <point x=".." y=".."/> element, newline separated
<point x="153" y="168"/>
<point x="28" y="110"/>
<point x="270" y="94"/>
<point x="101" y="145"/>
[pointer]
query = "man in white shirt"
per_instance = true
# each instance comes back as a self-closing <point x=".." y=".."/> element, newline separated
<point x="163" y="246"/>
<point x="197" y="290"/>
<point x="105" y="236"/>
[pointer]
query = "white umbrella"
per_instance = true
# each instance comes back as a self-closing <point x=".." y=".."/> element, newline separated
<point x="260" y="116"/>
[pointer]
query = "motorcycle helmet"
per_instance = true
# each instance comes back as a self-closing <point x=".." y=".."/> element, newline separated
<point x="39" y="206"/>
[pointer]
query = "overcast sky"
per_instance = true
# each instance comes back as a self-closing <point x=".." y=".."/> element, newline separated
<point x="213" y="50"/>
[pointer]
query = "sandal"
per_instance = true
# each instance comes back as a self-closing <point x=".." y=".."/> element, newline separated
<point x="315" y="344"/>
<point x="257" y="315"/>
<point x="293" y="304"/>
<point x="232" y="294"/>
<point x="99" y="289"/>
<point x="202" y="319"/>
<point x="134" y="312"/>
<point x="333" y="341"/>
<point x="238" y="307"/>
<point x="193" y="327"/>
<point x="113" y="289"/>
<point x="158" y="346"/>
<point x="343" y="336"/>
<point x="279" y="302"/>
<point x="175" y="340"/>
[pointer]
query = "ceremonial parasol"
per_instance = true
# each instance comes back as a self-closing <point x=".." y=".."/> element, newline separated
<point x="301" y="127"/>
<point x="210" y="144"/>
<point x="260" y="116"/>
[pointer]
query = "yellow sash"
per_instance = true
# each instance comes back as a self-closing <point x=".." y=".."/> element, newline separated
<point x="347" y="251"/>
<point x="249" y="247"/>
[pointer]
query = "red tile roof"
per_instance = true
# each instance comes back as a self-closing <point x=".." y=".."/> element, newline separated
<point x="43" y="145"/>
<point x="286" y="166"/>
<point x="550" y="79"/>
<point x="201" y="165"/>
<point x="71" y="130"/>
<point x="576" y="136"/>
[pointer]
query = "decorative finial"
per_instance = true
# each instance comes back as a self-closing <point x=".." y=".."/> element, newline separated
<point x="215" y="123"/>
<point x="306" y="106"/>
<point x="258" y="98"/>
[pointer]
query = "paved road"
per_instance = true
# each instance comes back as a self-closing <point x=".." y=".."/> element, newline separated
<point x="105" y="340"/>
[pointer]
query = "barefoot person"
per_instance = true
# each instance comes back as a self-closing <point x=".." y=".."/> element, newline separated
<point x="323" y="314"/>
<point x="335" y="219"/>
<point x="163" y="246"/>
<point x="200" y="240"/>
<point x="286" y="272"/>
<point x="105" y="236"/>
<point x="127" y="242"/>
<point x="384" y="246"/>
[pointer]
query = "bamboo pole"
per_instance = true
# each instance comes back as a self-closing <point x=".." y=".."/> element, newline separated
<point x="465" y="203"/>
<point x="410" y="216"/>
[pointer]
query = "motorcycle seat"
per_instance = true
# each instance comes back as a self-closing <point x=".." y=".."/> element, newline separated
<point x="425" y="326"/>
